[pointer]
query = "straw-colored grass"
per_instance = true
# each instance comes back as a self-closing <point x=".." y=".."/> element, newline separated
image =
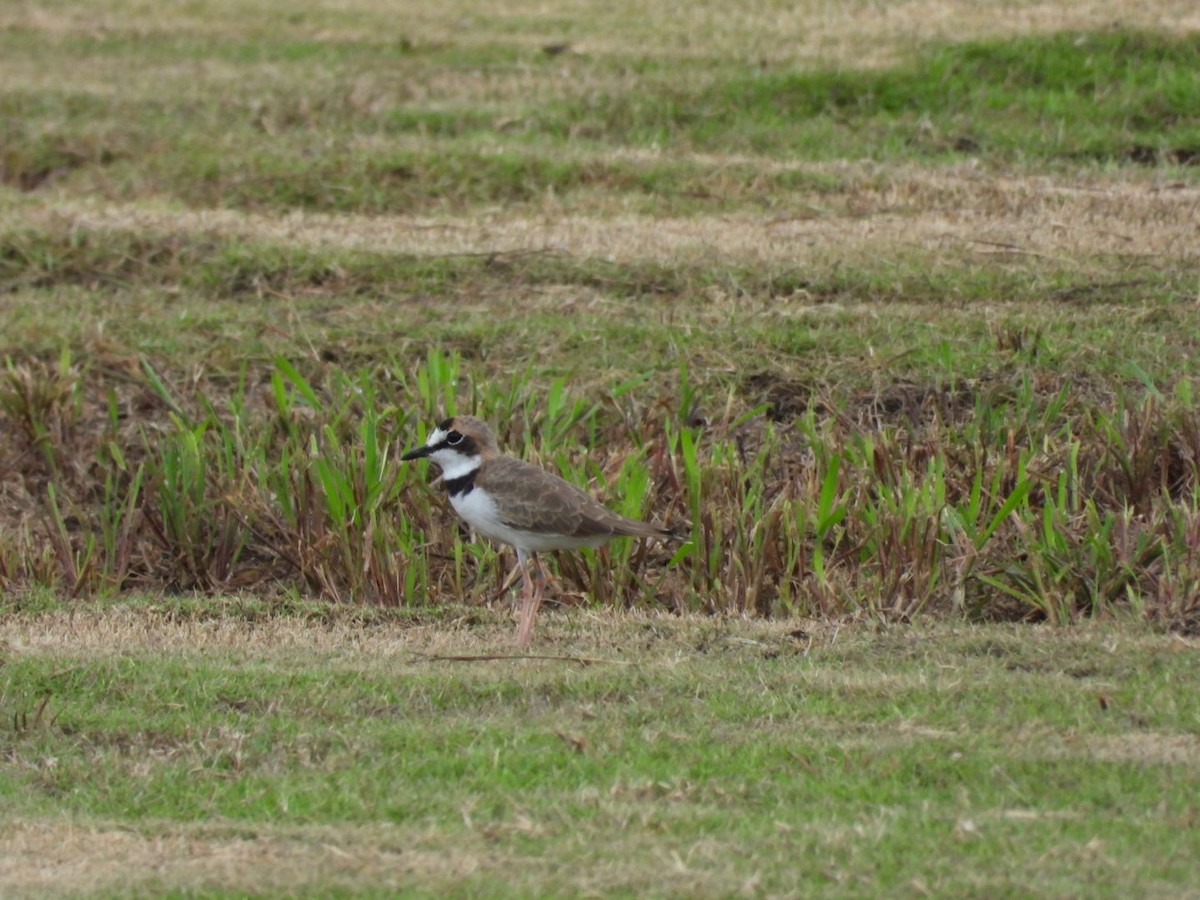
<point x="944" y="217"/>
<point x="860" y="32"/>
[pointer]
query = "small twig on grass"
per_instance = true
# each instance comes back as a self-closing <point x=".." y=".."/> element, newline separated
<point x="1096" y="287"/>
<point x="488" y="657"/>
<point x="1005" y="247"/>
<point x="492" y="256"/>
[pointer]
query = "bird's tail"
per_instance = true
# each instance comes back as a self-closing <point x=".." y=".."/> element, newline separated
<point x="634" y="528"/>
<point x="677" y="532"/>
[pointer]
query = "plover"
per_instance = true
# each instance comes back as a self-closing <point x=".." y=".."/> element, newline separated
<point x="517" y="503"/>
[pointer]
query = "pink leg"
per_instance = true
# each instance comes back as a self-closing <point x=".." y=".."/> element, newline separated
<point x="531" y="599"/>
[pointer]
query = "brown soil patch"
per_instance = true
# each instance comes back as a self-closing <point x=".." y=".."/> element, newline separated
<point x="58" y="858"/>
<point x="1150" y="748"/>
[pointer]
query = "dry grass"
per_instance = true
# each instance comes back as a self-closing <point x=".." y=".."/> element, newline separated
<point x="944" y="216"/>
<point x="862" y="32"/>
<point x="153" y="628"/>
<point x="56" y="859"/>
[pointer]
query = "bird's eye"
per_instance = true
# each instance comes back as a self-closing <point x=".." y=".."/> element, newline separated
<point x="454" y="439"/>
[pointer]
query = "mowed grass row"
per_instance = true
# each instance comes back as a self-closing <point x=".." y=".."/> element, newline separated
<point x="386" y="128"/>
<point x="224" y="747"/>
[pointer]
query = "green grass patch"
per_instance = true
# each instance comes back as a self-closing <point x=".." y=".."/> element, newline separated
<point x="840" y="760"/>
<point x="126" y="293"/>
<point x="1108" y="97"/>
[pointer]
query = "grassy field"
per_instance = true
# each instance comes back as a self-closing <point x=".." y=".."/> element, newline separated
<point x="892" y="307"/>
<point x="230" y="750"/>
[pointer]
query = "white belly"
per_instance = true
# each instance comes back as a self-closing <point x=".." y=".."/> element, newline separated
<point x="479" y="511"/>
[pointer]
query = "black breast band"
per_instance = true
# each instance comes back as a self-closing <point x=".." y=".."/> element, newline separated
<point x="460" y="486"/>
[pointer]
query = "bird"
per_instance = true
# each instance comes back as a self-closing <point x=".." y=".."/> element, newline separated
<point x="514" y="502"/>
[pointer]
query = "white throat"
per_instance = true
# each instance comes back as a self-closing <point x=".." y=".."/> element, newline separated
<point x="455" y="464"/>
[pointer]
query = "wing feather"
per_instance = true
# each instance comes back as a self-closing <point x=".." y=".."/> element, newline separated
<point x="541" y="502"/>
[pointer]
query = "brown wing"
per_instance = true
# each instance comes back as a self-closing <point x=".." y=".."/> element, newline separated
<point x="540" y="502"/>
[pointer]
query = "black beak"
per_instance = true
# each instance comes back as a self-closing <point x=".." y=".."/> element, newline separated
<point x="416" y="454"/>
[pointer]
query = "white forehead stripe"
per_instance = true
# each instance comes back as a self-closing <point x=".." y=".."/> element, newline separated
<point x="435" y="437"/>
